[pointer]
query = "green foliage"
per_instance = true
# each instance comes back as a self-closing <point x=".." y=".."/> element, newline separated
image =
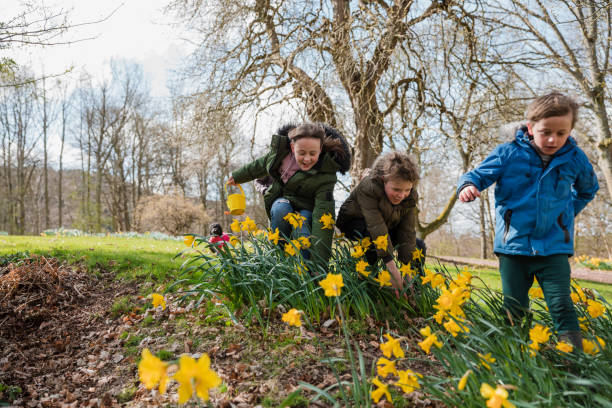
<point x="127" y="394"/>
<point x="8" y="393"/>
<point x="121" y="306"/>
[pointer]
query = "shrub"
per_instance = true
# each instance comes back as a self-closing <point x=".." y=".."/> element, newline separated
<point x="172" y="214"/>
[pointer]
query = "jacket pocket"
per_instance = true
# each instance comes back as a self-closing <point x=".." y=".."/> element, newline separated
<point x="566" y="234"/>
<point x="507" y="218"/>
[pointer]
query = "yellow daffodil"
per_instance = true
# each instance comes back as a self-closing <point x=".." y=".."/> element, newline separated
<point x="292" y="317"/>
<point x="440" y="315"/>
<point x="382" y="242"/>
<point x="327" y="220"/>
<point x="248" y="225"/>
<point x="434" y="279"/>
<point x="296" y="243"/>
<point x="455" y="328"/>
<point x="234" y="241"/>
<point x="408" y="381"/>
<point x="595" y="308"/>
<point x="539" y="334"/>
<point x="589" y="347"/>
<point x="235" y="225"/>
<point x="365" y="243"/>
<point x="463" y="380"/>
<point x="578" y="295"/>
<point x="380" y="391"/>
<point x="357" y="251"/>
<point x="417" y="255"/>
<point x="486" y="359"/>
<point x="361" y="268"/>
<point x="430" y="340"/>
<point x="158" y="300"/>
<point x="384" y="367"/>
<point x="536" y="293"/>
<point x="407" y="270"/>
<point x="295" y="219"/>
<point x="332" y="284"/>
<point x="152" y="371"/>
<point x="304" y="242"/>
<point x="290" y="250"/>
<point x="384" y="278"/>
<point x="452" y="300"/>
<point x="496" y="397"/>
<point x="188" y="240"/>
<point x="198" y="373"/>
<point x="564" y="347"/>
<point x="274" y="236"/>
<point x="392" y="346"/>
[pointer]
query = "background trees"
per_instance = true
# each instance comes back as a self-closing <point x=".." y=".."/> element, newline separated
<point x="434" y="78"/>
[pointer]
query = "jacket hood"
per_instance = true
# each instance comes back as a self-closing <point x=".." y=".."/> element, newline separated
<point x="344" y="161"/>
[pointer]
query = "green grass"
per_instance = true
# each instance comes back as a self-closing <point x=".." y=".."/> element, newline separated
<point x="491" y="278"/>
<point x="129" y="258"/>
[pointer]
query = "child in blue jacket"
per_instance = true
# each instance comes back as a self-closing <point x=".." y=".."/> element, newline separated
<point x="543" y="181"/>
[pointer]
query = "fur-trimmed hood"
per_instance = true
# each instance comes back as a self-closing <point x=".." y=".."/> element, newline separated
<point x="344" y="161"/>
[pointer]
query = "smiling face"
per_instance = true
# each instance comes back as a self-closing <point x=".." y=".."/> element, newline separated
<point x="397" y="190"/>
<point x="306" y="151"/>
<point x="550" y="134"/>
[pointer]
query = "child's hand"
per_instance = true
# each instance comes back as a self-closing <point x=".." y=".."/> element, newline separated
<point x="396" y="278"/>
<point x="468" y="193"/>
<point x="231" y="181"/>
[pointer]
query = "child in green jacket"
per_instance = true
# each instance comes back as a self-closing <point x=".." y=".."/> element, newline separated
<point x="302" y="164"/>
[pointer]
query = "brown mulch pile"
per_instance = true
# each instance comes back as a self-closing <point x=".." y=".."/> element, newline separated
<point x="56" y="344"/>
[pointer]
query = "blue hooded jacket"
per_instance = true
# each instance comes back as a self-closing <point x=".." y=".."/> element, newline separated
<point x="535" y="206"/>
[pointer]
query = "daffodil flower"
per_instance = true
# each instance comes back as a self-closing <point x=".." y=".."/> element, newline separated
<point x="384" y="278"/>
<point x="235" y="225"/>
<point x="382" y="242"/>
<point x="485" y="359"/>
<point x="408" y="381"/>
<point x="417" y="255"/>
<point x="536" y="293"/>
<point x="595" y="308"/>
<point x="384" y="367"/>
<point x="290" y="249"/>
<point x="248" y="225"/>
<point x="455" y="328"/>
<point x="538" y="334"/>
<point x="332" y="284"/>
<point x="188" y="240"/>
<point x="295" y="219"/>
<point x="327" y="220"/>
<point x="361" y="268"/>
<point x="198" y="374"/>
<point x="496" y="397"/>
<point x="158" y="300"/>
<point x="380" y="391"/>
<point x="273" y="236"/>
<point x="304" y="242"/>
<point x="430" y="340"/>
<point x="365" y="243"/>
<point x="392" y="346"/>
<point x="357" y="251"/>
<point x="152" y="371"/>
<point x="407" y="270"/>
<point x="463" y="380"/>
<point x="564" y="347"/>
<point x="292" y="317"/>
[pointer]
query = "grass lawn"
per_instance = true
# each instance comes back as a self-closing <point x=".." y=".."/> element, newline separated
<point x="129" y="258"/>
<point x="491" y="278"/>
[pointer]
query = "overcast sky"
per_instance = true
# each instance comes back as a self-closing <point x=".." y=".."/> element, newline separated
<point x="137" y="30"/>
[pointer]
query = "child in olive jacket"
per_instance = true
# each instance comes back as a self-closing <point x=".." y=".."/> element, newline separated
<point x="301" y="168"/>
<point x="543" y="180"/>
<point x="384" y="203"/>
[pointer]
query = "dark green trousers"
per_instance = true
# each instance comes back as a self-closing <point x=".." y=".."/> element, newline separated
<point x="553" y="274"/>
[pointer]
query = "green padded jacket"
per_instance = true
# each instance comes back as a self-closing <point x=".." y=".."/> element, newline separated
<point x="311" y="190"/>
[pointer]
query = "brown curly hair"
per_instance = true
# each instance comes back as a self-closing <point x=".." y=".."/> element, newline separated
<point x="395" y="165"/>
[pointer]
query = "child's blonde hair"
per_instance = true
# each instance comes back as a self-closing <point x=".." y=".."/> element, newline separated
<point x="552" y="104"/>
<point x="395" y="165"/>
